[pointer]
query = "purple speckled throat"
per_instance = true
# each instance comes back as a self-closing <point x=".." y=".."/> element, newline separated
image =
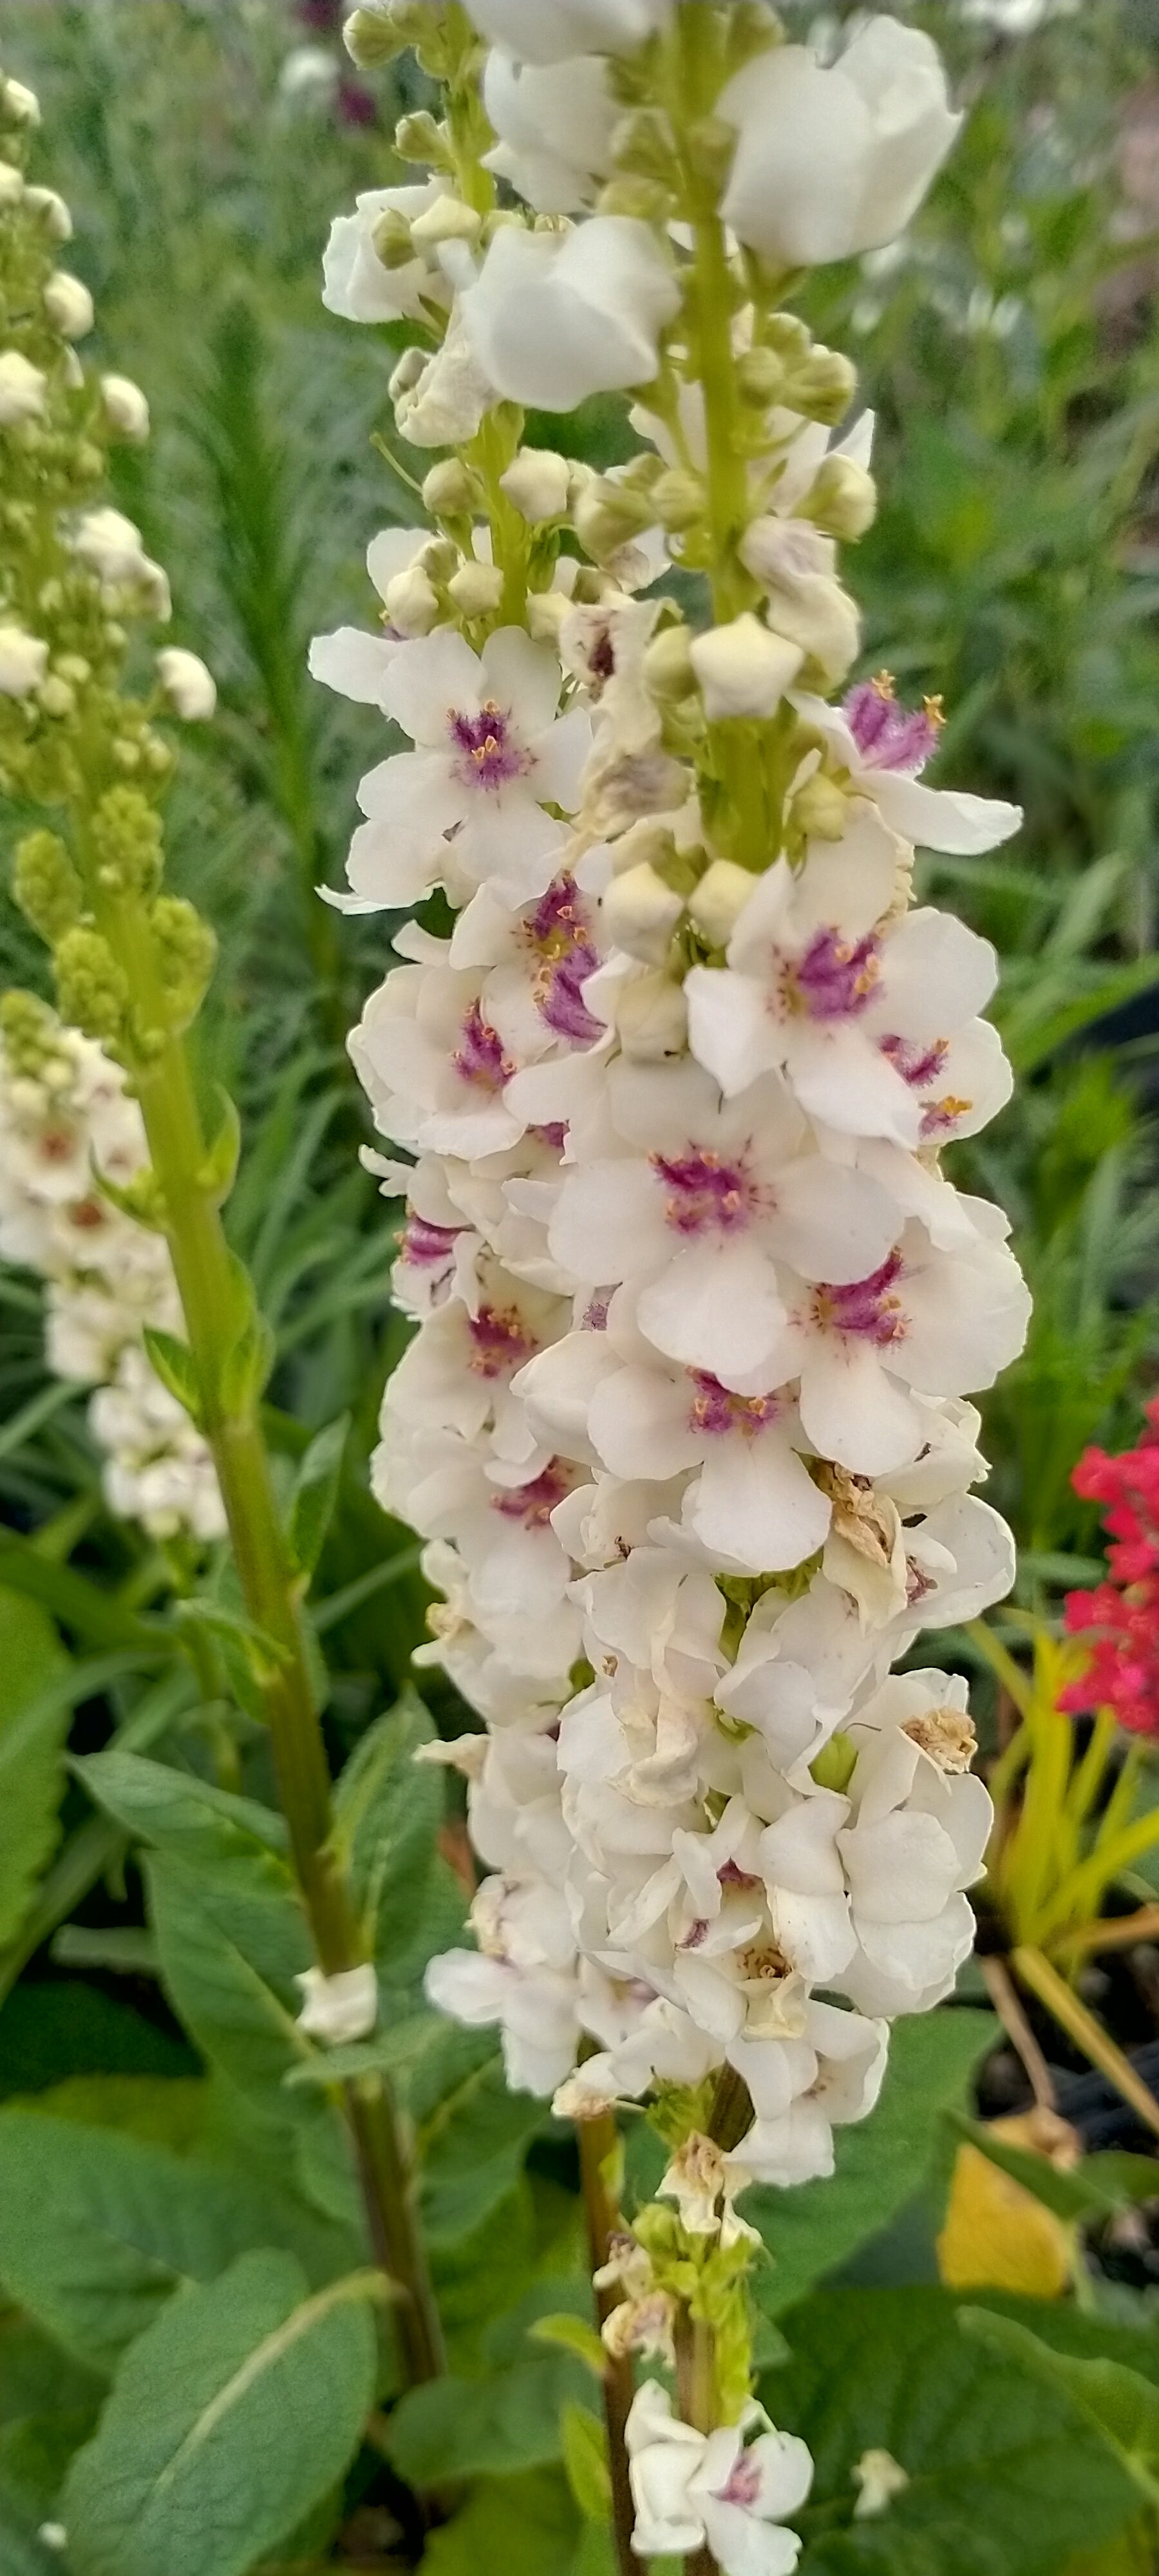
<point x="835" y="978"/>
<point x="705" y="1194"/>
<point x="490" y="753"/>
<point x="717" y="1410"/>
<point x="868" y="1309"/>
<point x="560" y="933"/>
<point x="887" y="735"/>
<point x="479" y="1057"/>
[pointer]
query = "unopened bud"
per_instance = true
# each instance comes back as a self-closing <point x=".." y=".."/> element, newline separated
<point x="372" y="36"/>
<point x="21" y="106"/>
<point x="52" y="210"/>
<point x="669" y="671"/>
<point x="652" y="1019"/>
<point x="646" y="201"/>
<point x="126" y="837"/>
<point x="419" y="138"/>
<point x="405" y="376"/>
<point x="760" y="376"/>
<point x="537" y="484"/>
<point x="187" y="950"/>
<point x="188" y="685"/>
<point x="608" y="515"/>
<point x="823" y="386"/>
<point x="448" y="219"/>
<point x="820" y="809"/>
<point x="411" y="604"/>
<point x="92" y="989"/>
<point x="55" y="697"/>
<point x="546" y="613"/>
<point x="640" y="913"/>
<point x="390" y="236"/>
<point x="753" y="27"/>
<point x="46" y="885"/>
<point x="69" y="305"/>
<point x="477" y="589"/>
<point x="451" y="491"/>
<point x="716" y="904"/>
<point x="743" y="670"/>
<point x="678" y="499"/>
<point x="642" y="146"/>
<point x="23" y="661"/>
<point x="843" y="499"/>
<point x="789" y="336"/>
<point x="126" y="409"/>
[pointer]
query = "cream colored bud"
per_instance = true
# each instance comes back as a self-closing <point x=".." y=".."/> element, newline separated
<point x="405" y="376"/>
<point x="125" y="408"/>
<point x="340" y="2008"/>
<point x="537" y="484"/>
<point x="823" y="386"/>
<point x="652" y="1019"/>
<point x="648" y="843"/>
<point x="640" y="913"/>
<point x="608" y="515"/>
<point x="743" y="670"/>
<point x="669" y="671"/>
<point x="372" y="38"/>
<point x="477" y="589"/>
<point x="760" y="376"/>
<point x="69" y="305"/>
<point x="390" y="237"/>
<point x="189" y="686"/>
<point x="22" y="389"/>
<point x="20" y="105"/>
<point x="820" y="809"/>
<point x="56" y="697"/>
<point x="715" y="905"/>
<point x="57" y="219"/>
<point x="546" y="613"/>
<point x="843" y="499"/>
<point x="447" y="220"/>
<point x="678" y="499"/>
<point x="23" y="661"/>
<point x="411" y="604"/>
<point x="11" y="184"/>
<point x="450" y="490"/>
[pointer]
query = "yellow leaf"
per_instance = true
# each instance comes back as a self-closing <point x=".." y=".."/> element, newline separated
<point x="997" y="2236"/>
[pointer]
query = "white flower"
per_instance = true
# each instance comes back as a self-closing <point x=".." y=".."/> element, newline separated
<point x="721" y="2491"/>
<point x="159" y="1469"/>
<point x="537" y="482"/>
<point x="355" y="283"/>
<point x="697" y="1215"/>
<point x="742" y="669"/>
<point x="881" y="746"/>
<point x="309" y="72"/>
<point x="189" y="686"/>
<point x="830" y="163"/>
<point x="125" y="408"/>
<point x="340" y="2008"/>
<point x="23" y="661"/>
<point x="546" y="31"/>
<point x="862" y="1011"/>
<point x="444" y="404"/>
<point x="556" y="316"/>
<point x="554" y="125"/>
<point x="796" y="566"/>
<point x="468" y="804"/>
<point x="69" y="305"/>
<point x="355" y="663"/>
<point x="22" y="389"/>
<point x="915" y="1841"/>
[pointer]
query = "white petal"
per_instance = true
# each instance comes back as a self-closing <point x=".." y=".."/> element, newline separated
<point x="716" y="1307"/>
<point x="853" y="1412"/>
<point x="756" y="1505"/>
<point x="936" y="819"/>
<point x="731" y="1029"/>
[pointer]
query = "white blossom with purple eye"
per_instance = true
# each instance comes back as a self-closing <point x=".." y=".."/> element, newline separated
<point x="882" y="747"/>
<point x="860" y="1010"/>
<point x="719" y="2491"/>
<point x="468" y="805"/>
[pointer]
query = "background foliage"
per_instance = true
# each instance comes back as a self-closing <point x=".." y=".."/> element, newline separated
<point x="1012" y="352"/>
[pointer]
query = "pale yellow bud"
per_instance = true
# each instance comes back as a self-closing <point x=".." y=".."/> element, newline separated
<point x="716" y="904"/>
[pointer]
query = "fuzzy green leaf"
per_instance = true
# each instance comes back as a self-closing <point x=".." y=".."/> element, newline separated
<point x="316" y="1492"/>
<point x="1121" y="2404"/>
<point x="173" y="1362"/>
<point x="387" y="1810"/>
<point x="233" y="2416"/>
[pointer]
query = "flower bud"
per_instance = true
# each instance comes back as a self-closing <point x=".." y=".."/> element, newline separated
<point x="419" y="138"/>
<point x="642" y="147"/>
<point x="678" y="499"/>
<point x="46" y="885"/>
<point x="447" y="220"/>
<point x="652" y="1019"/>
<point x="477" y="589"/>
<point x="405" y="376"/>
<point x="843" y="499"/>
<point x="92" y="989"/>
<point x="126" y="840"/>
<point x="640" y="913"/>
<point x="69" y="305"/>
<point x="57" y="219"/>
<point x="823" y="386"/>
<point x="717" y="902"/>
<point x="187" y="950"/>
<point x="21" y="106"/>
<point x="648" y="843"/>
<point x="538" y="484"/>
<point x="23" y="661"/>
<point x="546" y="612"/>
<point x="451" y="491"/>
<point x="190" y="688"/>
<point x="373" y="36"/>
<point x="669" y="672"/>
<point x="55" y="696"/>
<point x="760" y="376"/>
<point x="820" y="809"/>
<point x="412" y="607"/>
<point x="126" y="409"/>
<point x="11" y="184"/>
<point x="608" y="515"/>
<point x="22" y="389"/>
<point x="390" y="237"/>
<point x="743" y="670"/>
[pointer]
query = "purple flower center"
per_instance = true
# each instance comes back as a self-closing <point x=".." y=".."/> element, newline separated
<point x="715" y="1408"/>
<point x="425" y="1246"/>
<point x="917" y="1065"/>
<point x="489" y="751"/>
<point x="732" y="1875"/>
<point x="500" y="1341"/>
<point x="889" y="736"/>
<point x="554" y="1134"/>
<point x="704" y="1193"/>
<point x="743" y="2483"/>
<point x="835" y="978"/>
<point x="479" y="1058"/>
<point x="534" y="1503"/>
<point x="560" y="933"/>
<point x="868" y="1308"/>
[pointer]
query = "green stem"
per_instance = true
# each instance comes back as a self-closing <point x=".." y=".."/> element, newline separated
<point x="207" y="1282"/>
<point x="598" y="2148"/>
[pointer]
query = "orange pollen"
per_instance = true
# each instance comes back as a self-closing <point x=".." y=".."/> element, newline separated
<point x="936" y="711"/>
<point x="885" y="684"/>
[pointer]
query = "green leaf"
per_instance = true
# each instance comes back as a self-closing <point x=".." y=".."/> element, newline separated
<point x="574" y="2335"/>
<point x="316" y="1492"/>
<point x="387" y="1812"/>
<point x="528" y="2526"/>
<point x="585" y="2458"/>
<point x="880" y="2163"/>
<point x="1095" y="2188"/>
<point x="34" y="1721"/>
<point x="472" y="2149"/>
<point x="34" y="2456"/>
<point x="463" y="2428"/>
<point x="176" y="1811"/>
<point x="231" y="1940"/>
<point x="98" y="2227"/>
<point x="96" y="1617"/>
<point x="1004" y="2478"/>
<point x="229" y="2419"/>
<point x="37" y="2377"/>
<point x="174" y="1364"/>
<point x="1120" y="2403"/>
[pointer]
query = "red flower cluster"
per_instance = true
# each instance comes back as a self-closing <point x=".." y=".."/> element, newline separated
<point x="1119" y="1620"/>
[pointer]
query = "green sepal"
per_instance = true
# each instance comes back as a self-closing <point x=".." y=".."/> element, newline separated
<point x="173" y="1362"/>
<point x="219" y="1170"/>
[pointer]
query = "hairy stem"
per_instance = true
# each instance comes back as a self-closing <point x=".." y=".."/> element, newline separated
<point x="598" y="2147"/>
<point x="208" y="1284"/>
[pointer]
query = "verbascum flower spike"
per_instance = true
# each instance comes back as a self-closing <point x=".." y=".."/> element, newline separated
<point x="686" y="1418"/>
